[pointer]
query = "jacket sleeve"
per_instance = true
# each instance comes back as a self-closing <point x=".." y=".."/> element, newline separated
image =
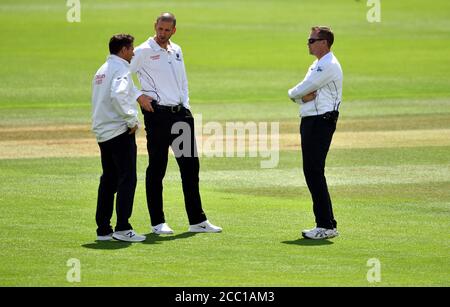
<point x="184" y="83"/>
<point x="123" y="97"/>
<point x="317" y="78"/>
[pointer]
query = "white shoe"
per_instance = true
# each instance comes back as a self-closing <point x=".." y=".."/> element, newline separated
<point x="128" y="236"/>
<point x="205" y="226"/>
<point x="105" y="238"/>
<point x="320" y="233"/>
<point x="308" y="230"/>
<point x="162" y="229"/>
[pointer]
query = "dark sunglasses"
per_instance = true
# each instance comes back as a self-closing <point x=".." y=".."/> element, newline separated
<point x="313" y="40"/>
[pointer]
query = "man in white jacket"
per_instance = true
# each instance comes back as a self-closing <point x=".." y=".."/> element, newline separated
<point x="319" y="95"/>
<point x="114" y="122"/>
<point x="159" y="64"/>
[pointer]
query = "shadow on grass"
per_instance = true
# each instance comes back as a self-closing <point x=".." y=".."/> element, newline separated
<point x="113" y="244"/>
<point x="151" y="238"/>
<point x="308" y="242"/>
<point x="154" y="238"/>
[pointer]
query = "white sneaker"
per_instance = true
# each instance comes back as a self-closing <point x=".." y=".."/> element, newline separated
<point x="105" y="238"/>
<point x="308" y="230"/>
<point x="205" y="226"/>
<point x="162" y="229"/>
<point x="320" y="233"/>
<point x="128" y="236"/>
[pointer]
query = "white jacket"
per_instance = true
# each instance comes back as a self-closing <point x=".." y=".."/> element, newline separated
<point x="161" y="72"/>
<point x="324" y="76"/>
<point x="114" y="97"/>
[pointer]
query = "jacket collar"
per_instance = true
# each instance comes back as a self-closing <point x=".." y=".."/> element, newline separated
<point x="327" y="57"/>
<point x="117" y="59"/>
<point x="154" y="45"/>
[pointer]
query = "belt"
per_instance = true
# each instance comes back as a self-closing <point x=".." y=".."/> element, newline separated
<point x="332" y="116"/>
<point x="171" y="109"/>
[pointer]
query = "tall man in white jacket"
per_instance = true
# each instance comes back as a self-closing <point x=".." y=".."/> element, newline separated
<point x="114" y="122"/>
<point x="319" y="95"/>
<point x="159" y="64"/>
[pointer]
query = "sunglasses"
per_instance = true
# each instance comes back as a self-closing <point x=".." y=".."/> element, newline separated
<point x="313" y="40"/>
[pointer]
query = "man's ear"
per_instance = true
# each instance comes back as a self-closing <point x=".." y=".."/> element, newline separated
<point x="122" y="51"/>
<point x="174" y="30"/>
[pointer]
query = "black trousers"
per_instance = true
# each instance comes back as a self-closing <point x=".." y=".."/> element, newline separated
<point x="316" y="134"/>
<point x="158" y="126"/>
<point x="118" y="157"/>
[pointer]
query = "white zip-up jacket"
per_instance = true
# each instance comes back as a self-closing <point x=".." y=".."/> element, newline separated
<point x="114" y="97"/>
<point x="161" y="72"/>
<point x="324" y="76"/>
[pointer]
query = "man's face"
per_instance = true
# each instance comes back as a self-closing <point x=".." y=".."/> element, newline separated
<point x="164" y="30"/>
<point x="317" y="46"/>
<point x="128" y="53"/>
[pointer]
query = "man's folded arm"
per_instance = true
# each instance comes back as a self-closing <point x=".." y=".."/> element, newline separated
<point x="315" y="80"/>
<point x="302" y="89"/>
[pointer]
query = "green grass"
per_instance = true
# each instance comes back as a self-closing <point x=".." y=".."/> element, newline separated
<point x="47" y="220"/>
<point x="391" y="203"/>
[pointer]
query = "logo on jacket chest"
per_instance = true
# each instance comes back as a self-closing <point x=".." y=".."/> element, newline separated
<point x="155" y="57"/>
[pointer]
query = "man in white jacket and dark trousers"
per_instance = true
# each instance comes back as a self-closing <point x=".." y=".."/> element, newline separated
<point x="114" y="122"/>
<point x="319" y="95"/>
<point x="159" y="64"/>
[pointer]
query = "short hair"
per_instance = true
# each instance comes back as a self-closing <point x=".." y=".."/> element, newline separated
<point x="167" y="17"/>
<point x="325" y="33"/>
<point x="118" y="41"/>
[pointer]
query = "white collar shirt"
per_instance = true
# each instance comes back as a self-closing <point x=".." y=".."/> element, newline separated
<point x="114" y="95"/>
<point x="161" y="72"/>
<point x="324" y="76"/>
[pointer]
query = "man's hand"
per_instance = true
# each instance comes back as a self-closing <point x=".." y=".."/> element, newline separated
<point x="309" y="97"/>
<point x="133" y="130"/>
<point x="145" y="102"/>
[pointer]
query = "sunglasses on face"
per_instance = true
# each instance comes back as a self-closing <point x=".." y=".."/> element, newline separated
<point x="313" y="40"/>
